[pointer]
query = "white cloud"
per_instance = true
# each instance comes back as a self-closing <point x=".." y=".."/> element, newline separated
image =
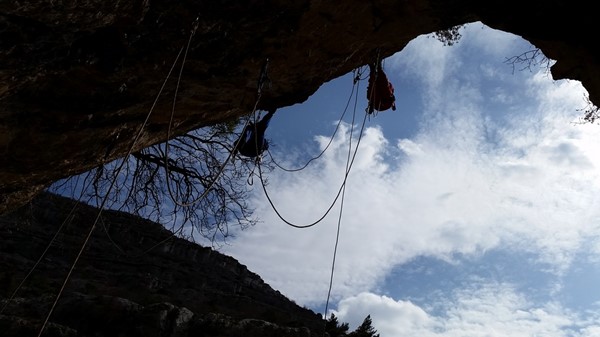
<point x="390" y="317"/>
<point x="488" y="41"/>
<point x="427" y="57"/>
<point x="482" y="310"/>
<point x="451" y="189"/>
<point x="444" y="198"/>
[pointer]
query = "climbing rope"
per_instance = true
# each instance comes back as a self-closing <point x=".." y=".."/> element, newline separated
<point x="66" y="222"/>
<point x="104" y="200"/>
<point x="337" y="235"/>
<point x="339" y="223"/>
<point x="356" y="78"/>
<point x="262" y="79"/>
<point x="260" y="174"/>
<point x="349" y="163"/>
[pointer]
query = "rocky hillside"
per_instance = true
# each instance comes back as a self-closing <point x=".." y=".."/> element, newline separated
<point x="79" y="77"/>
<point x="134" y="279"/>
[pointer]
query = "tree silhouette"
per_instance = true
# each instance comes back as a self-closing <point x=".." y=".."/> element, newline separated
<point x="530" y="60"/>
<point x="591" y="113"/>
<point x="366" y="329"/>
<point x="534" y="58"/>
<point x="449" y="36"/>
<point x="192" y="186"/>
<point x="334" y="328"/>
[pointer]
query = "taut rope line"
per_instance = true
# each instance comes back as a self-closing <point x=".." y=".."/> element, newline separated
<point x="261" y="80"/>
<point x="39" y="260"/>
<point x="101" y="207"/>
<point x="339" y="223"/>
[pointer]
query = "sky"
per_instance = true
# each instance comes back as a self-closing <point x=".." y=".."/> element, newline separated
<point x="471" y="210"/>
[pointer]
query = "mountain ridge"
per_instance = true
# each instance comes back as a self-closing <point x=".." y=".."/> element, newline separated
<point x="182" y="286"/>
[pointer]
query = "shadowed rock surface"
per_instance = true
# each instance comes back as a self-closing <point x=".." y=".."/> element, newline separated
<point x="123" y="287"/>
<point x="78" y="77"/>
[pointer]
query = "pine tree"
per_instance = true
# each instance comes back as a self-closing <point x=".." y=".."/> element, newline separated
<point x="366" y="329"/>
<point x="334" y="328"/>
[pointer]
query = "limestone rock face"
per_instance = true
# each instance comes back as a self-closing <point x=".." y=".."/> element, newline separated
<point x="79" y="77"/>
<point x="133" y="279"/>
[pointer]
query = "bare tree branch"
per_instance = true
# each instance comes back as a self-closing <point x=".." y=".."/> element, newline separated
<point x="529" y="60"/>
<point x="591" y="113"/>
<point x="193" y="167"/>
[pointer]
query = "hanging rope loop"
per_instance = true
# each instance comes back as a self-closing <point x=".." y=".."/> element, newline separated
<point x="350" y="162"/>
